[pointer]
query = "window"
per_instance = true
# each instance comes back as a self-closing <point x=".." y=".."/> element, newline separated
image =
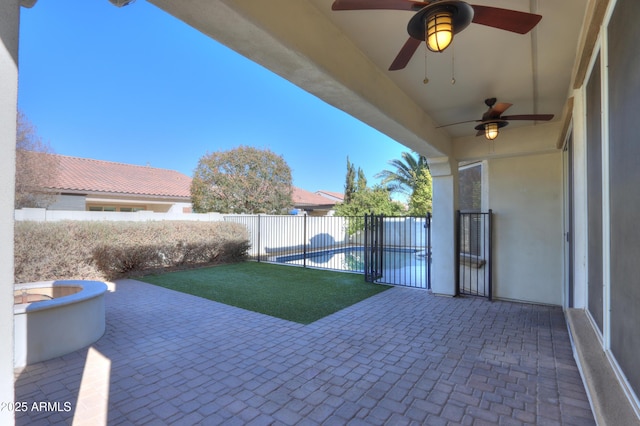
<point x="102" y="209"/>
<point x="115" y="209"/>
<point x="470" y="200"/>
<point x="470" y="187"/>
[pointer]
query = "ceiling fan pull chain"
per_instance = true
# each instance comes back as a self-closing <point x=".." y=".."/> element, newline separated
<point x="426" y="79"/>
<point x="453" y="65"/>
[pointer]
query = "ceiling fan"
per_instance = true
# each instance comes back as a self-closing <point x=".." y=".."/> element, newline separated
<point x="437" y="21"/>
<point x="492" y="119"/>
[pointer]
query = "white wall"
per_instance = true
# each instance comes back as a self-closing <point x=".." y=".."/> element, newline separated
<point x="269" y="234"/>
<point x="525" y="194"/>
<point x="9" y="22"/>
<point x="180" y="208"/>
<point x="524" y="169"/>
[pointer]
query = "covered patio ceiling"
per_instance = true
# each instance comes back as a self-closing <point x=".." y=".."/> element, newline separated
<point x="343" y="58"/>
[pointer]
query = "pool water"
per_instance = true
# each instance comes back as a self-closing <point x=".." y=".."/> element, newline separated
<point x="402" y="266"/>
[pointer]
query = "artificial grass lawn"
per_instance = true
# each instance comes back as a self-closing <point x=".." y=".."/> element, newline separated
<point x="291" y="293"/>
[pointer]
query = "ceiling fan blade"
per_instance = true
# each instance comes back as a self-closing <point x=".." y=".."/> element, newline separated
<point x="378" y="4"/>
<point x="459" y="122"/>
<point x="405" y="54"/>
<point x="501" y="107"/>
<point x="495" y="111"/>
<point x="498" y="109"/>
<point x="534" y="117"/>
<point x="505" y="19"/>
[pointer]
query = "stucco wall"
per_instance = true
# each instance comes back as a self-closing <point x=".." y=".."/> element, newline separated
<point x="525" y="194"/>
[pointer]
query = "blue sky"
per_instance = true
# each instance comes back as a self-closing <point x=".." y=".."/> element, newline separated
<point x="137" y="86"/>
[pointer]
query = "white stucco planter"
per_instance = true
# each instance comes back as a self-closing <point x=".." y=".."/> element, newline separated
<point x="56" y="318"/>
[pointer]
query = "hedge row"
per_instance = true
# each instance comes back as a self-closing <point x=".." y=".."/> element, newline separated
<point x="109" y="250"/>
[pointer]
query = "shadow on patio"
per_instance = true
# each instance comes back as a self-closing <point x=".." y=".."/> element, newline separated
<point x="402" y="356"/>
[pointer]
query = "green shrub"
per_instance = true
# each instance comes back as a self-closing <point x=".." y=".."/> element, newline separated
<point x="107" y="250"/>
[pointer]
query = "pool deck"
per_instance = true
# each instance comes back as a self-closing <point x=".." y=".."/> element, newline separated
<point x="403" y="356"/>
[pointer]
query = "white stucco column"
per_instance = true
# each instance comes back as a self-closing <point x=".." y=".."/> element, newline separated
<point x="444" y="173"/>
<point x="9" y="24"/>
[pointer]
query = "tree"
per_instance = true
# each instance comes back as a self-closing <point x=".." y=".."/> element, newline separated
<point x="350" y="182"/>
<point x="242" y="180"/>
<point x="364" y="200"/>
<point x="420" y="202"/>
<point x="375" y="200"/>
<point x="407" y="170"/>
<point x="36" y="168"/>
<point x="411" y="177"/>
<point x="361" y="184"/>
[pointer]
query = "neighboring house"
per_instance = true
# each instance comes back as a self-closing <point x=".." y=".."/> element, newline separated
<point x="313" y="204"/>
<point x="338" y="197"/>
<point x="96" y="185"/>
<point x="85" y="184"/>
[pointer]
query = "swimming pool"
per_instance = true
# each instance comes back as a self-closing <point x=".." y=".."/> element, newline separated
<point x="403" y="266"/>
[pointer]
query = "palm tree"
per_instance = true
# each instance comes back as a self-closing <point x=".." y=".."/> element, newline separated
<point x="406" y="175"/>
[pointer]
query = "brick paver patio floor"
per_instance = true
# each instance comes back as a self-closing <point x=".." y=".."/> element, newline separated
<point x="401" y="357"/>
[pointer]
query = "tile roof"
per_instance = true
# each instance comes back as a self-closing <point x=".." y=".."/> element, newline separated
<point x="305" y="198"/>
<point x="333" y="195"/>
<point x="97" y="176"/>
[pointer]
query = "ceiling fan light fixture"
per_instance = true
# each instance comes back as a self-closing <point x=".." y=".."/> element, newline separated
<point x="491" y="130"/>
<point x="437" y="23"/>
<point x="490" y="127"/>
<point x="439" y="30"/>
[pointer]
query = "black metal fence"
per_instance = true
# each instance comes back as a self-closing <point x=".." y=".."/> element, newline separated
<point x="474" y="248"/>
<point x="373" y="247"/>
<point x="338" y="243"/>
<point x="398" y="250"/>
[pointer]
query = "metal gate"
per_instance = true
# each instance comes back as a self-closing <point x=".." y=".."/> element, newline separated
<point x="397" y="250"/>
<point x="373" y="247"/>
<point x="473" y="263"/>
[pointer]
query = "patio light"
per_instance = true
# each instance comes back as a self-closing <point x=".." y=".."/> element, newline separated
<point x="491" y="130"/>
<point x="439" y="21"/>
<point x="439" y="30"/>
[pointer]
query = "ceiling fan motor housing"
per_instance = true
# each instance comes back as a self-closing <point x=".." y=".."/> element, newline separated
<point x="499" y="122"/>
<point x="462" y="16"/>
